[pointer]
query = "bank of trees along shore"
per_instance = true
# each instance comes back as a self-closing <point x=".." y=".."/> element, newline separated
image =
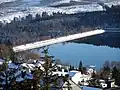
<point x="40" y="27"/>
<point x="109" y="71"/>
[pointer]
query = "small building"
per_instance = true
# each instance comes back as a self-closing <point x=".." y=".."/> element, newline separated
<point x="91" y="70"/>
<point x="102" y="83"/>
<point x="107" y="83"/>
<point x="79" y="78"/>
<point x="61" y="70"/>
<point x="60" y="73"/>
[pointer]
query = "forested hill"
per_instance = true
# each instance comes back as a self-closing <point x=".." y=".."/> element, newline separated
<point x="43" y="27"/>
<point x="106" y="39"/>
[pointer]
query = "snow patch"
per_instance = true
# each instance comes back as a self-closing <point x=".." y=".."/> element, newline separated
<point x="65" y="1"/>
<point x="5" y="1"/>
<point x="109" y="4"/>
<point x="39" y="10"/>
<point x="31" y="2"/>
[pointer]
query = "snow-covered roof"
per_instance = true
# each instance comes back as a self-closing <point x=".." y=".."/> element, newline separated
<point x="4" y="1"/>
<point x="92" y="66"/>
<point x="19" y="79"/>
<point x="13" y="66"/>
<point x="72" y="73"/>
<point x="1" y="61"/>
<point x="29" y="76"/>
<point x="30" y="66"/>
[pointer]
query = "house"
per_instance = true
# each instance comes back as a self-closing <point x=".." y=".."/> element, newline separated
<point x="61" y="70"/>
<point x="60" y="73"/>
<point x="107" y="83"/>
<point x="102" y="83"/>
<point x="14" y="70"/>
<point x="79" y="78"/>
<point x="91" y="70"/>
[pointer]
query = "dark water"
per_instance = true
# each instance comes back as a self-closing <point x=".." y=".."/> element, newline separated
<point x="89" y="54"/>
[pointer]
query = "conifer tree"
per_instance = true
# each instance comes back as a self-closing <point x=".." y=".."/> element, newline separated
<point x="7" y="73"/>
<point x="116" y="75"/>
<point x="81" y="67"/>
<point x="44" y="77"/>
<point x="48" y="77"/>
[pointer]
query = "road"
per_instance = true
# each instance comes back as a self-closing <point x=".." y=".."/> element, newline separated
<point x="39" y="44"/>
<point x="73" y="86"/>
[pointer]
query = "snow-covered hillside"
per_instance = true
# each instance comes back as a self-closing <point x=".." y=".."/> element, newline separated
<point x="65" y="1"/>
<point x="4" y="1"/>
<point x="116" y="2"/>
<point x="25" y="7"/>
<point x="38" y="10"/>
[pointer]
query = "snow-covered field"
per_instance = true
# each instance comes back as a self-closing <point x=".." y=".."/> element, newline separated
<point x="4" y="1"/>
<point x="38" y="10"/>
<point x="65" y="1"/>
<point x="25" y="7"/>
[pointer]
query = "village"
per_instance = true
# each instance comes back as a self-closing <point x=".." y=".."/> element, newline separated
<point x="49" y="75"/>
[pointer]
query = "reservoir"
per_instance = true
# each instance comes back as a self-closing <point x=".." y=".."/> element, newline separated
<point x="73" y="53"/>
